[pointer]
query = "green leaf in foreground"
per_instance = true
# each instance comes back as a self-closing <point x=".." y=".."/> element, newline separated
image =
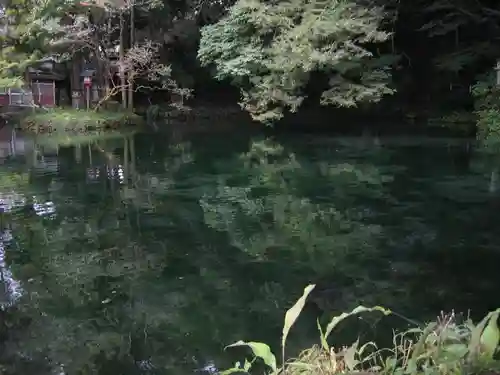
<point x="292" y="314"/>
<point x="260" y="350"/>
<point x="490" y="338"/>
<point x="358" y="310"/>
<point x="477" y="333"/>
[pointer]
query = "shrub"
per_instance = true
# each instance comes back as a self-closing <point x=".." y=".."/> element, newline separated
<point x="443" y="347"/>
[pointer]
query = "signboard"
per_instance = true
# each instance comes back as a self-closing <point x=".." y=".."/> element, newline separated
<point x="87" y="81"/>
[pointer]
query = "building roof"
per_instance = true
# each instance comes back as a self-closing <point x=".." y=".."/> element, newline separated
<point x="47" y="69"/>
<point x="105" y="3"/>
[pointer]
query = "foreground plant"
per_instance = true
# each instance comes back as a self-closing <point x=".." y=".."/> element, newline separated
<point x="443" y="347"/>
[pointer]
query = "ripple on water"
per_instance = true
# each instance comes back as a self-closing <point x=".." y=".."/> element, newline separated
<point x="10" y="288"/>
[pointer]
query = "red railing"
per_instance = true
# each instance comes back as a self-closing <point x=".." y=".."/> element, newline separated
<point x="41" y="94"/>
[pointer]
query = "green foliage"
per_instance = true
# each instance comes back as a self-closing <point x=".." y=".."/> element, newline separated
<point x="74" y="122"/>
<point x="10" y="182"/>
<point x="487" y="103"/>
<point x="26" y="37"/>
<point x="444" y="347"/>
<point x="271" y="50"/>
<point x="447" y="20"/>
<point x="459" y="122"/>
<point x="447" y="347"/>
<point x="259" y="350"/>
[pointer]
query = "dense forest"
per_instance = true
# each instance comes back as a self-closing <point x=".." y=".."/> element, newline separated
<point x="420" y="60"/>
<point x="420" y="56"/>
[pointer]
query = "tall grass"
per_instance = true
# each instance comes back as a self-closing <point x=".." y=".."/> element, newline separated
<point x="443" y="347"/>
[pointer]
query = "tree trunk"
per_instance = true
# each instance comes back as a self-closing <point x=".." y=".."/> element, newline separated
<point x="122" y="58"/>
<point x="132" y="43"/>
<point x="75" y="80"/>
<point x="497" y="68"/>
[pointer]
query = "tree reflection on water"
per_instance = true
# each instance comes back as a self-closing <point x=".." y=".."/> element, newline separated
<point x="151" y="256"/>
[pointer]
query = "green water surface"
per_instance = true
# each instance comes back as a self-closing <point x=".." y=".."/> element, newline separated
<point x="157" y="250"/>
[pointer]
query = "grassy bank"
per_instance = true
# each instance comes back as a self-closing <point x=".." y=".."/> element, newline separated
<point x="55" y="140"/>
<point x="447" y="346"/>
<point x="74" y="121"/>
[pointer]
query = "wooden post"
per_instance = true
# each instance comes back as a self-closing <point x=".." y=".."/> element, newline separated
<point x="132" y="42"/>
<point x="12" y="144"/>
<point x="494" y="174"/>
<point x="122" y="61"/>
<point x="90" y="154"/>
<point x="87" y="93"/>
<point x="76" y="84"/>
<point x="75" y="99"/>
<point x="125" y="159"/>
<point x="497" y="68"/>
<point x="132" y="156"/>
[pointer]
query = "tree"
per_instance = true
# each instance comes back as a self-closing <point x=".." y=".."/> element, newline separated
<point x="271" y="50"/>
<point x="68" y="31"/>
<point x="458" y="19"/>
<point x="21" y="40"/>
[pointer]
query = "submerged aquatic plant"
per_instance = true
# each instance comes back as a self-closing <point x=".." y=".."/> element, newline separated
<point x="444" y="347"/>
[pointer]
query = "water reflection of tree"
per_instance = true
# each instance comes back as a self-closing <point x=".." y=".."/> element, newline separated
<point x="94" y="290"/>
<point x="108" y="288"/>
<point x="63" y="266"/>
<point x="266" y="214"/>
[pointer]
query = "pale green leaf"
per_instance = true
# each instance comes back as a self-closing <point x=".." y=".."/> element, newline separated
<point x="358" y="310"/>
<point x="475" y="341"/>
<point x="301" y="366"/>
<point x="259" y="350"/>
<point x="292" y="314"/>
<point x="233" y="370"/>
<point x="420" y="345"/>
<point x="390" y="364"/>
<point x="247" y="365"/>
<point x="456" y="351"/>
<point x="411" y="368"/>
<point x="349" y="356"/>
<point x="324" y="344"/>
<point x="364" y="347"/>
<point x="490" y="337"/>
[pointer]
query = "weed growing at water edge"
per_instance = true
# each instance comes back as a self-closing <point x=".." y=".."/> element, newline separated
<point x="443" y="347"/>
<point x="76" y="122"/>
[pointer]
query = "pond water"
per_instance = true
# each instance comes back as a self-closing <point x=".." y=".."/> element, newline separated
<point x="148" y="253"/>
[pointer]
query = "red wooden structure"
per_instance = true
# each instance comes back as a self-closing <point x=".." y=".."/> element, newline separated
<point x="42" y="93"/>
<point x="4" y="99"/>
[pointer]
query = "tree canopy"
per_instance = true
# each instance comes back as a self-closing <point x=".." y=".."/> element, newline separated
<point x="271" y="50"/>
<point x="341" y="53"/>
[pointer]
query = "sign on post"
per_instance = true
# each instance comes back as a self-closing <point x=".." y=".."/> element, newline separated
<point x="87" y="83"/>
